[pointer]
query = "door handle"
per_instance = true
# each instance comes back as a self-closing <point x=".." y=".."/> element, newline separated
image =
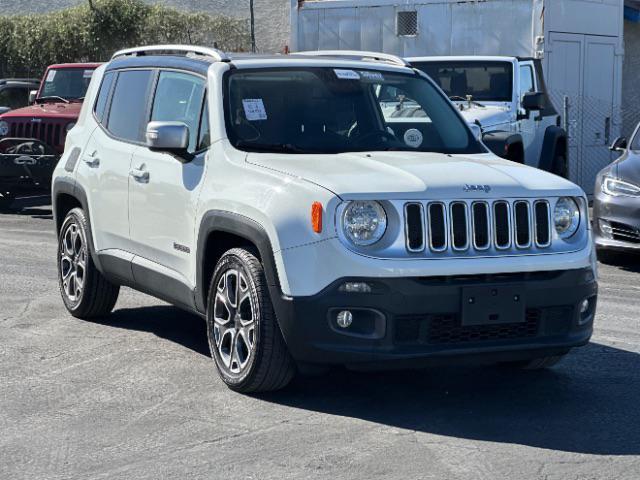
<point x="140" y="175"/>
<point x="91" y="161"/>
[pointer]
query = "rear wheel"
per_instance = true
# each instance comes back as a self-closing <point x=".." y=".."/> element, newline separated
<point x="244" y="337"/>
<point x="85" y="291"/>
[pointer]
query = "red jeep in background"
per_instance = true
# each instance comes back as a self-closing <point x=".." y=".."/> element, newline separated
<point x="32" y="138"/>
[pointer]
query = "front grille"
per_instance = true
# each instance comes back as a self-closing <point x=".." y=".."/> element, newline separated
<point x="461" y="227"/>
<point x="624" y="233"/>
<point x="49" y="133"/>
<point x="447" y="330"/>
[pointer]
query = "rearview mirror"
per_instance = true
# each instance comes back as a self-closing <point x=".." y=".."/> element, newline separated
<point x="170" y="137"/>
<point x="619" y="145"/>
<point x="32" y="96"/>
<point x="533" y="101"/>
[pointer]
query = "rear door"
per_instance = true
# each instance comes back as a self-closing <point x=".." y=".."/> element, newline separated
<point x="162" y="203"/>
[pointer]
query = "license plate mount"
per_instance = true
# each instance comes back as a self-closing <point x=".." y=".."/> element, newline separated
<point x="493" y="305"/>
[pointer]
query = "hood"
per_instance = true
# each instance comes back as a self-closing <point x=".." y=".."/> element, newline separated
<point x="488" y="116"/>
<point x="628" y="168"/>
<point x="47" y="110"/>
<point x="416" y="175"/>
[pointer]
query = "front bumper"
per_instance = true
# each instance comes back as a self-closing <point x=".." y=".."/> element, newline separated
<point x="622" y="214"/>
<point x="27" y="169"/>
<point x="414" y="321"/>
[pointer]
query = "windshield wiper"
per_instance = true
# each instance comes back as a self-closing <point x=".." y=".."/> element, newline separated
<point x="271" y="148"/>
<point x="51" y="98"/>
<point x="462" y="99"/>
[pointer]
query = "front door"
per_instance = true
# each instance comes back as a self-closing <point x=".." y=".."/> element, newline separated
<point x="163" y="192"/>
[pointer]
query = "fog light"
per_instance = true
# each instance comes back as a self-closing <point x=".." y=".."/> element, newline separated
<point x="605" y="228"/>
<point x="355" y="287"/>
<point x="584" y="306"/>
<point x="344" y="319"/>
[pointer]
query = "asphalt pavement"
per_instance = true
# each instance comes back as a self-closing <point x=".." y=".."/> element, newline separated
<point x="136" y="396"/>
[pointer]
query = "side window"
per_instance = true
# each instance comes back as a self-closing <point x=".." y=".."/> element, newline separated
<point x="526" y="80"/>
<point x="204" y="137"/>
<point x="127" y="117"/>
<point x="101" y="103"/>
<point x="14" y="97"/>
<point x="179" y="98"/>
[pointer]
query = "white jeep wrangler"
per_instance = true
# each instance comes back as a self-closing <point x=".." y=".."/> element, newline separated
<point x="270" y="196"/>
<point x="506" y="97"/>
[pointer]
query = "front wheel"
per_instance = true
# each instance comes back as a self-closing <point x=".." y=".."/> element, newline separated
<point x="244" y="337"/>
<point x="85" y="291"/>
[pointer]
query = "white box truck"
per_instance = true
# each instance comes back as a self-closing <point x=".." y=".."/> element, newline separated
<point x="578" y="42"/>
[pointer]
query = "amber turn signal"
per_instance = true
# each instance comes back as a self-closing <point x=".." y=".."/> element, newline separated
<point x="316" y="217"/>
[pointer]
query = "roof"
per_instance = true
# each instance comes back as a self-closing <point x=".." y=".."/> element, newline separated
<point x="75" y="65"/>
<point x="462" y="58"/>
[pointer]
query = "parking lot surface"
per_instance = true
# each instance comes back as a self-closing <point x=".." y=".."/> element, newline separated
<point x="135" y="395"/>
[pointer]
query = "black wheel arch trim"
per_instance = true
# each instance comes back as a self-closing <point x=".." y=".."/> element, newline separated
<point x="236" y="224"/>
<point x="498" y="139"/>
<point x="553" y="137"/>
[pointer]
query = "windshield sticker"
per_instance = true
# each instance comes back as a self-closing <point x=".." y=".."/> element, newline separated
<point x="50" y="76"/>
<point x="254" y="109"/>
<point x="87" y="74"/>
<point x="377" y="76"/>
<point x="347" y="74"/>
<point x="413" y="137"/>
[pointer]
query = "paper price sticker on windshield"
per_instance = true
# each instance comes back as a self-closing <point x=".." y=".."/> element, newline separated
<point x="346" y="74"/>
<point x="50" y="76"/>
<point x="254" y="109"/>
<point x="375" y="76"/>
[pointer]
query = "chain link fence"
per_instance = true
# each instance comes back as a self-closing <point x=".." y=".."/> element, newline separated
<point x="592" y="124"/>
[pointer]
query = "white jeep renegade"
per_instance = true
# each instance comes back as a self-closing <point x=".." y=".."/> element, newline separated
<point x="282" y="199"/>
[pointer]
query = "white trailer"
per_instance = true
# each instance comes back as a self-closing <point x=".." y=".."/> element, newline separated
<point x="580" y="44"/>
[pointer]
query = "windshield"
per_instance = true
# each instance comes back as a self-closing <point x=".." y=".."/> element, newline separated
<point x="488" y="81"/>
<point x="327" y="110"/>
<point x="66" y="83"/>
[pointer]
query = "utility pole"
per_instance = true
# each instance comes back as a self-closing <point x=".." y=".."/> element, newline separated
<point x="253" y="27"/>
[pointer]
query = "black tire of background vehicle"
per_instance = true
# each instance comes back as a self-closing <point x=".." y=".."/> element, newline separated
<point x="560" y="166"/>
<point x="99" y="295"/>
<point x="270" y="366"/>
<point x="6" y="200"/>
<point x="537" y="363"/>
<point x="609" y="257"/>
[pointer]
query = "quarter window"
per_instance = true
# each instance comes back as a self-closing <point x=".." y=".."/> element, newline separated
<point x="127" y="117"/>
<point x="179" y="98"/>
<point x="103" y="96"/>
<point x="204" y="138"/>
<point x="526" y="80"/>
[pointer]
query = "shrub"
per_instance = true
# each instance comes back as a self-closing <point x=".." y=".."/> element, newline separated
<point x="28" y="43"/>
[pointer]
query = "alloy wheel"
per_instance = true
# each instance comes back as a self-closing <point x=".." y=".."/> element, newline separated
<point x="73" y="262"/>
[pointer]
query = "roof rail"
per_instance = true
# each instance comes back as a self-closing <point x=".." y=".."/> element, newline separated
<point x="356" y="54"/>
<point x="184" y="49"/>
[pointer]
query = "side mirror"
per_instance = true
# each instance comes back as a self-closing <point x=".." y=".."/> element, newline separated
<point x="477" y="131"/>
<point x="32" y="96"/>
<point x="533" y="101"/>
<point x="619" y="145"/>
<point x="170" y="137"/>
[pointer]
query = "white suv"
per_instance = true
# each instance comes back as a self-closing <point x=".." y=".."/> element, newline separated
<point x="282" y="199"/>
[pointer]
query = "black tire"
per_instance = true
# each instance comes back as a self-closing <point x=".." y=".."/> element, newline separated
<point x="6" y="200"/>
<point x="541" y="363"/>
<point x="247" y="346"/>
<point x="97" y="296"/>
<point x="608" y="257"/>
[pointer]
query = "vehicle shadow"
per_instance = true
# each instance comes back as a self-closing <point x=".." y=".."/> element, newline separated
<point x="166" y="322"/>
<point x="590" y="403"/>
<point x="38" y="207"/>
<point x="629" y="262"/>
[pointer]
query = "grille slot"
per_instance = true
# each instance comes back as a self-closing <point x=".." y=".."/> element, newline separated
<point x="437" y="227"/>
<point x="501" y="225"/>
<point x="522" y="224"/>
<point x="542" y="224"/>
<point x="414" y="227"/>
<point x="459" y="226"/>
<point x="481" y="233"/>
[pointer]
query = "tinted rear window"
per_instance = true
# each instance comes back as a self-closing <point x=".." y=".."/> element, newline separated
<point x="103" y="96"/>
<point x="128" y="114"/>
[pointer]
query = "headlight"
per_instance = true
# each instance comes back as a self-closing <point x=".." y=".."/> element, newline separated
<point x="364" y="222"/>
<point x="566" y="217"/>
<point x="70" y="126"/>
<point x="614" y="187"/>
<point x="4" y="128"/>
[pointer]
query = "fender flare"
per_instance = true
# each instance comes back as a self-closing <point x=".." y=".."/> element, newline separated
<point x="502" y="143"/>
<point x="68" y="186"/>
<point x="228" y="222"/>
<point x="553" y="137"/>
